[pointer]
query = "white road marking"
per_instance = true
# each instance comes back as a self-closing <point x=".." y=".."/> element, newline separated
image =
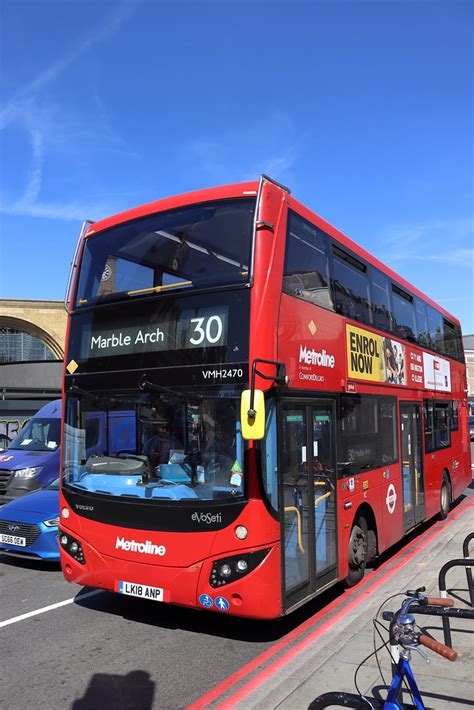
<point x="48" y="608"/>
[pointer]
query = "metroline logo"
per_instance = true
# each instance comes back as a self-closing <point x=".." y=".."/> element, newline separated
<point x="312" y="357"/>
<point x="146" y="548"/>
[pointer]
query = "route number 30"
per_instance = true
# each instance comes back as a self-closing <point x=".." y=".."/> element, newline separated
<point x="206" y="329"/>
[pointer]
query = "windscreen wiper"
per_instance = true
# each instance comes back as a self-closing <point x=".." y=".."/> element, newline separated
<point x="74" y="389"/>
<point x="96" y="399"/>
<point x="146" y="386"/>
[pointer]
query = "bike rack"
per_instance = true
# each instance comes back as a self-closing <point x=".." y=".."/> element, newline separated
<point x="465" y="554"/>
<point x="467" y="563"/>
<point x="345" y="700"/>
<point x="461" y="562"/>
<point x="447" y="613"/>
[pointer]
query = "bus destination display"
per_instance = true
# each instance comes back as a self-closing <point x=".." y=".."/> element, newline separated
<point x="195" y="328"/>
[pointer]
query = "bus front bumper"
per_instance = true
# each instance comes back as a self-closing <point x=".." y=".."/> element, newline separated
<point x="255" y="595"/>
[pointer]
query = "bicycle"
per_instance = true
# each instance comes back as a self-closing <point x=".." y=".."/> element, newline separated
<point x="404" y="639"/>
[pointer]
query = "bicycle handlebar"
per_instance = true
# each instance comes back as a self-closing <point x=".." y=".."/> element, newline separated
<point x="437" y="647"/>
<point x="436" y="601"/>
<point x="405" y="634"/>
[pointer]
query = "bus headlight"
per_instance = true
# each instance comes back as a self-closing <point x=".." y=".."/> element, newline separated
<point x="241" y="532"/>
<point x="242" y="565"/>
<point x="73" y="547"/>
<point x="229" y="569"/>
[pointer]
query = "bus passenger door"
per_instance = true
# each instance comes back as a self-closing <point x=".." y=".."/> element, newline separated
<point x="308" y="496"/>
<point x="294" y="495"/>
<point x="324" y="481"/>
<point x="413" y="487"/>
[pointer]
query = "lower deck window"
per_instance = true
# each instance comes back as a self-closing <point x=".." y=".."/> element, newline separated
<point x="437" y="424"/>
<point x="367" y="433"/>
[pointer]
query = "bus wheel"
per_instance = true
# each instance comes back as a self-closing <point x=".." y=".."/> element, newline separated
<point x="445" y="497"/>
<point x="358" y="546"/>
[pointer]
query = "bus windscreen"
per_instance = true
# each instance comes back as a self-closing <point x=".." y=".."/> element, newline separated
<point x="200" y="246"/>
<point x="155" y="445"/>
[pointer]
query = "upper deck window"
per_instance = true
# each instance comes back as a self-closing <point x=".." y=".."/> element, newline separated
<point x="351" y="286"/>
<point x="422" y="330"/>
<point x="380" y="295"/>
<point x="306" y="273"/>
<point x="435" y="326"/>
<point x="198" y="246"/>
<point x="450" y="345"/>
<point x="403" y="314"/>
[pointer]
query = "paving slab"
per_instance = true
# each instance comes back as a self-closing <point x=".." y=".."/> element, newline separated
<point x="329" y="663"/>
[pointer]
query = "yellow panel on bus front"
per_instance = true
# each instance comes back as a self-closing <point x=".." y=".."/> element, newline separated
<point x="365" y="355"/>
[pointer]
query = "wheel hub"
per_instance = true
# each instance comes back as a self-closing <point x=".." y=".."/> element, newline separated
<point x="358" y="551"/>
<point x="444" y="497"/>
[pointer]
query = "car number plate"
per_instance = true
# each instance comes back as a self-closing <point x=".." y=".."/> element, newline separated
<point x="13" y="540"/>
<point x="141" y="590"/>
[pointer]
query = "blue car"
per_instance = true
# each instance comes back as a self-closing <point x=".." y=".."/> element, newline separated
<point x="29" y="525"/>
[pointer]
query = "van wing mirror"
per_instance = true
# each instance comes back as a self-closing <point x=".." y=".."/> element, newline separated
<point x="252" y="420"/>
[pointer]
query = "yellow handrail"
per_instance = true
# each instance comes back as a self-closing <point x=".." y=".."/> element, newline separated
<point x="292" y="509"/>
<point x="157" y="289"/>
<point x="318" y="500"/>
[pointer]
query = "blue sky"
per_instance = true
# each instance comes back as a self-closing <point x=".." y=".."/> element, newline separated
<point x="364" y="109"/>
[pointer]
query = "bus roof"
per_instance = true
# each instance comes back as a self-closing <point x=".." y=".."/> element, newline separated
<point x="251" y="188"/>
<point x="168" y="203"/>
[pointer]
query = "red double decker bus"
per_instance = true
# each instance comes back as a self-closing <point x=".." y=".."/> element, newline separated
<point x="254" y="406"/>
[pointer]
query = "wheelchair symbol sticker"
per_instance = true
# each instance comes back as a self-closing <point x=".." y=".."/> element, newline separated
<point x="222" y="604"/>
<point x="206" y="601"/>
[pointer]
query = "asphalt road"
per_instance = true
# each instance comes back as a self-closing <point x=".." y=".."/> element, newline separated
<point x="102" y="650"/>
<point x="107" y="650"/>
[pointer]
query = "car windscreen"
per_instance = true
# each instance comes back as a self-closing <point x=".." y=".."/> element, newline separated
<point x="198" y="246"/>
<point x="38" y="435"/>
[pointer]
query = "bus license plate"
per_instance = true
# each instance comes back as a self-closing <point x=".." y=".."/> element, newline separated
<point x="141" y="590"/>
<point x="13" y="540"/>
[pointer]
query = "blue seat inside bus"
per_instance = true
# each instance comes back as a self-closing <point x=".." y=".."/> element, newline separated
<point x="174" y="472"/>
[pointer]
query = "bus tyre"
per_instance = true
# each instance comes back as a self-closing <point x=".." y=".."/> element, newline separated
<point x="445" y="497"/>
<point x="358" y="546"/>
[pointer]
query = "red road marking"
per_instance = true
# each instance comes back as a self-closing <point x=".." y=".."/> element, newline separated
<point x="407" y="553"/>
<point x="259" y="679"/>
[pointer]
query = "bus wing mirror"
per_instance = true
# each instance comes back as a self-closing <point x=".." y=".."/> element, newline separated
<point x="252" y="421"/>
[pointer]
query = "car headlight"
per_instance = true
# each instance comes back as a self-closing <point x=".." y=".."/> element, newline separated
<point x="28" y="472"/>
<point x="52" y="522"/>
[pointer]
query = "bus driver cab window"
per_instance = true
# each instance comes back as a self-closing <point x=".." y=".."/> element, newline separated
<point x="158" y="441"/>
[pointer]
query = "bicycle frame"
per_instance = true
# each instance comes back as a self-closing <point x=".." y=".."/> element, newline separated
<point x="403" y="670"/>
<point x="404" y="638"/>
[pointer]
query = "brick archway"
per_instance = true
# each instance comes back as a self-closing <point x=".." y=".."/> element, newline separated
<point x="45" y="320"/>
